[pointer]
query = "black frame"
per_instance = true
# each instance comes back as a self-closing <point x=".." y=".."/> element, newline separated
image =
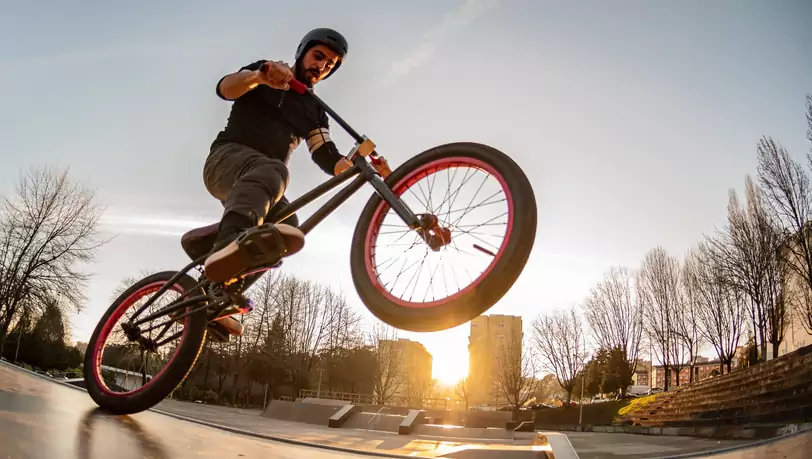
<point x="361" y="170"/>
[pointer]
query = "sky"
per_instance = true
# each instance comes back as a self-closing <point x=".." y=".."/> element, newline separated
<point x="632" y="119"/>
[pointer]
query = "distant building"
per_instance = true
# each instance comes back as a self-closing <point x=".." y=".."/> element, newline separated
<point x="703" y="367"/>
<point x="641" y="375"/>
<point x="414" y="377"/>
<point x="491" y="339"/>
<point x="796" y="335"/>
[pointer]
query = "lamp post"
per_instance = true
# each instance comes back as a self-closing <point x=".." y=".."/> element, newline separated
<point x="581" y="402"/>
<point x="321" y="373"/>
<point x="583" y="383"/>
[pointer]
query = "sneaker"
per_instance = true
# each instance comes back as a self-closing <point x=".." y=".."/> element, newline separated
<point x="231" y="324"/>
<point x="255" y="247"/>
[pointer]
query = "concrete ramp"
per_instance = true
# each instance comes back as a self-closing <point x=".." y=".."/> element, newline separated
<point x="308" y="413"/>
<point x="478" y="433"/>
<point x="375" y="421"/>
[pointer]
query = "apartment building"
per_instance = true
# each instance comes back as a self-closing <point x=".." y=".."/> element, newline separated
<point x="492" y="339"/>
<point x="414" y="366"/>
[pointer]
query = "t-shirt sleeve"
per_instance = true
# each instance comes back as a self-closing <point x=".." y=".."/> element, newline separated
<point x="252" y="66"/>
<point x="323" y="122"/>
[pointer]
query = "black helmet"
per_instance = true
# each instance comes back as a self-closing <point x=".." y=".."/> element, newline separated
<point x="326" y="37"/>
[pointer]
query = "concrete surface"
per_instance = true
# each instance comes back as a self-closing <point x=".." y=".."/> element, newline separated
<point x="794" y="446"/>
<point x="591" y="445"/>
<point x="42" y="418"/>
<point x="309" y="413"/>
<point x="376" y="441"/>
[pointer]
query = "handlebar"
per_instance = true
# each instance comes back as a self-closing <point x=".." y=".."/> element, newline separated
<point x="295" y="85"/>
<point x="301" y="88"/>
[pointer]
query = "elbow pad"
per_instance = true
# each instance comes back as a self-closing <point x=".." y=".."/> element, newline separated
<point x="323" y="151"/>
<point x="326" y="156"/>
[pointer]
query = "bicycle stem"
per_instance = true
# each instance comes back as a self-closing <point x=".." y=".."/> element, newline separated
<point x="377" y="182"/>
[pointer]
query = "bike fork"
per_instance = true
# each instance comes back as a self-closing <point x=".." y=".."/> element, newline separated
<point x="387" y="195"/>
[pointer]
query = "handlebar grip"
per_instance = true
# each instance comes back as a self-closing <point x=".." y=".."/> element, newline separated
<point x="295" y="85"/>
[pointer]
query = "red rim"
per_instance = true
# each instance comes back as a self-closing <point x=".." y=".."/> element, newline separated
<point x="398" y="189"/>
<point x="108" y="327"/>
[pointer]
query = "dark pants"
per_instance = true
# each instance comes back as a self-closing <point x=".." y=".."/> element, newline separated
<point x="247" y="182"/>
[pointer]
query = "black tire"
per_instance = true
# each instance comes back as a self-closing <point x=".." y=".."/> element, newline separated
<point x="454" y="311"/>
<point x="173" y="374"/>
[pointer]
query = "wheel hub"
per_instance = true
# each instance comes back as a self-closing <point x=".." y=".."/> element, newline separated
<point x="134" y="334"/>
<point x="430" y="230"/>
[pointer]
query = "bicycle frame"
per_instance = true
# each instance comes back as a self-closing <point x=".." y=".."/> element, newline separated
<point x="362" y="172"/>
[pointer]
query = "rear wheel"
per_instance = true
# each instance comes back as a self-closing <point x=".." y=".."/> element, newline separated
<point x="121" y="375"/>
<point x="455" y="185"/>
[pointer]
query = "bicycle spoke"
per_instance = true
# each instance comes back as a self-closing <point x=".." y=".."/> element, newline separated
<point x="464" y="200"/>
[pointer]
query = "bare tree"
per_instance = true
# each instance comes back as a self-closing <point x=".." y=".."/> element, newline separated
<point x="558" y="338"/>
<point x="46" y="232"/>
<point x="779" y="307"/>
<point x="516" y="372"/>
<point x="687" y="327"/>
<point x="720" y="308"/>
<point x="388" y="362"/>
<point x="786" y="186"/>
<point x="658" y="291"/>
<point x="463" y="392"/>
<point x="746" y="252"/>
<point x="616" y="317"/>
<point x="809" y="122"/>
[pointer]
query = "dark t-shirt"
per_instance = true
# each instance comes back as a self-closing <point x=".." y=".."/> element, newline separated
<point x="271" y="121"/>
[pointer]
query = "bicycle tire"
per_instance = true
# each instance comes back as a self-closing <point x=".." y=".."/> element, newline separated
<point x="168" y="379"/>
<point x="500" y="277"/>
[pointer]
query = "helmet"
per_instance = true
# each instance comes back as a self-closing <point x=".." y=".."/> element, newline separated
<point x="326" y="37"/>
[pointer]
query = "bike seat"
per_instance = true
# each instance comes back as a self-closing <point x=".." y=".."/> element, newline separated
<point x="199" y="241"/>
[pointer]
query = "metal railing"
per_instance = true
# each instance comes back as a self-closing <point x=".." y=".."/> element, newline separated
<point x="369" y="399"/>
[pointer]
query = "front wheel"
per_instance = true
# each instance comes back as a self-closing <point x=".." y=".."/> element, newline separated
<point x="479" y="197"/>
<point x="124" y="377"/>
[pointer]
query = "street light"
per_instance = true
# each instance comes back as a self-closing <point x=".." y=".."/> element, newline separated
<point x="581" y="402"/>
<point x="583" y="382"/>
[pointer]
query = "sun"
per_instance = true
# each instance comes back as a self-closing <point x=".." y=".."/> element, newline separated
<point x="449" y="366"/>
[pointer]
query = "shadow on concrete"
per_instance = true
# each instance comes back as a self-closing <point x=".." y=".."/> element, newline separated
<point x="94" y="428"/>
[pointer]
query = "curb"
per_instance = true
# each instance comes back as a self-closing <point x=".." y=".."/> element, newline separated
<point x="753" y="432"/>
<point x="234" y="430"/>
<point x="755" y="444"/>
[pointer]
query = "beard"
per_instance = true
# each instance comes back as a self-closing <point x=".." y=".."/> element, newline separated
<point x="307" y="76"/>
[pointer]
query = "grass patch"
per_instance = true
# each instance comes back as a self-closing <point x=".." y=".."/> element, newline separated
<point x="637" y="403"/>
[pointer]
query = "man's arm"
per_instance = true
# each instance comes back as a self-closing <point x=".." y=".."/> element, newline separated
<point x="234" y="85"/>
<point x="323" y="151"/>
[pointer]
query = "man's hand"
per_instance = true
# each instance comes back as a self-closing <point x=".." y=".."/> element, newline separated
<point x="341" y="166"/>
<point x="276" y="74"/>
<point x="380" y="165"/>
<point x="378" y="162"/>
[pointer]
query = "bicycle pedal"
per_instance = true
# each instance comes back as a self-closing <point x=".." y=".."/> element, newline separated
<point x="260" y="242"/>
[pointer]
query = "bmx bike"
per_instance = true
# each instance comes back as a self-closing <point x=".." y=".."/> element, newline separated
<point x="402" y="211"/>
